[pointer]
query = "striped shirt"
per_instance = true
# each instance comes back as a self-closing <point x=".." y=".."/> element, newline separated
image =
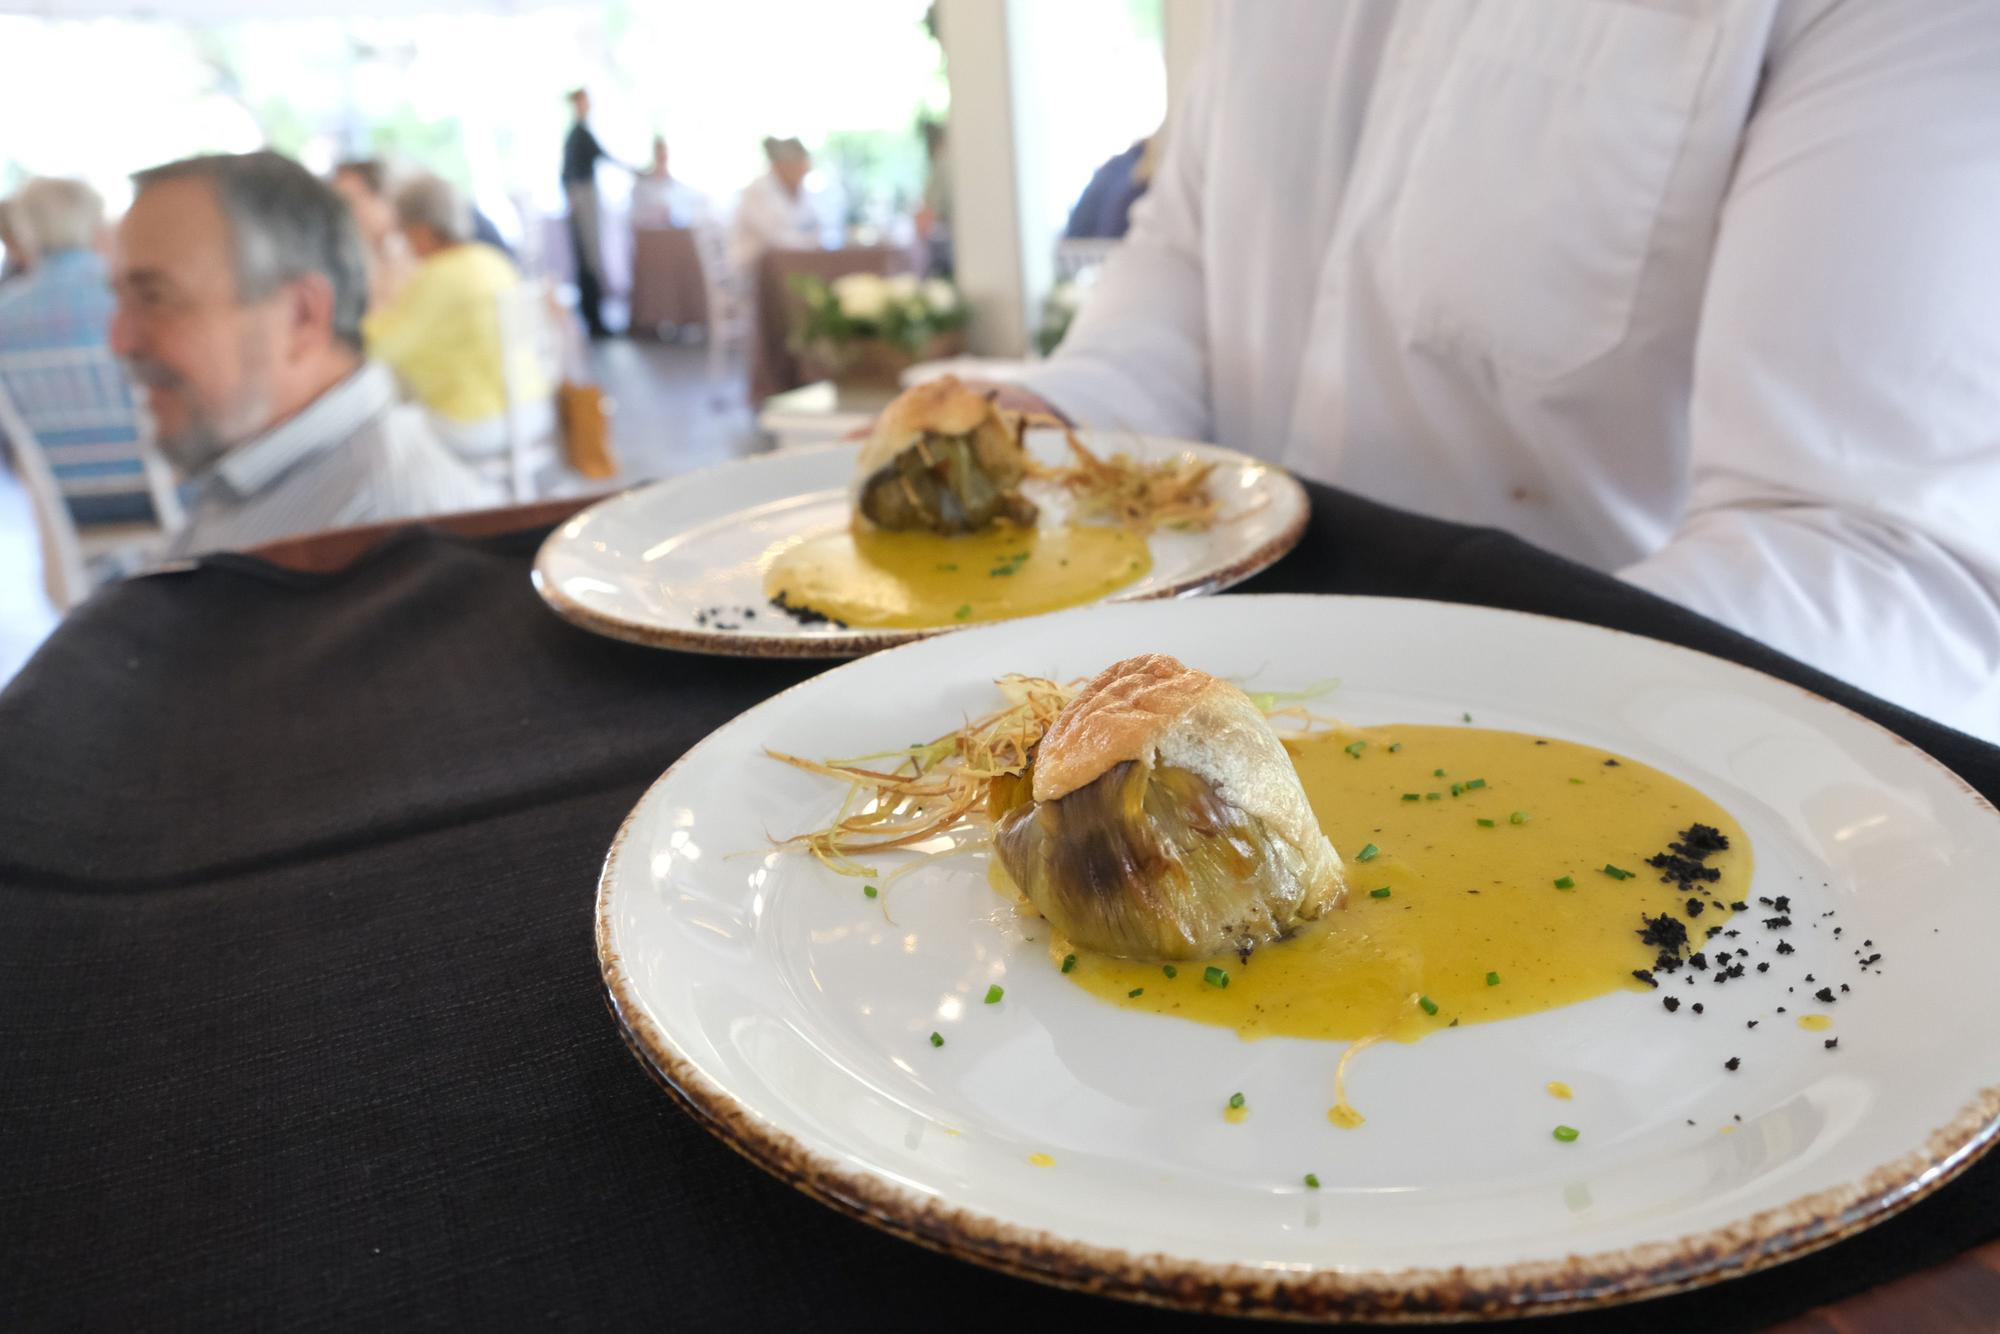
<point x="65" y="302"/>
<point x="351" y="456"/>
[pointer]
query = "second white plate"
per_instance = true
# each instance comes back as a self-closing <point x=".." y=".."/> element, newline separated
<point x="667" y="565"/>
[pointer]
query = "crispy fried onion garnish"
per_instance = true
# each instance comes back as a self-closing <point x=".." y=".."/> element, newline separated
<point x="1167" y="493"/>
<point x="899" y="799"/>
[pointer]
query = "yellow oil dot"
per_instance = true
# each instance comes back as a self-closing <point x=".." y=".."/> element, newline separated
<point x="1041" y="1160"/>
<point x="1816" y="1023"/>
<point x="1346" y="1117"/>
<point x="1727" y="1130"/>
<point x="1558" y="1089"/>
<point x="1236" y="1116"/>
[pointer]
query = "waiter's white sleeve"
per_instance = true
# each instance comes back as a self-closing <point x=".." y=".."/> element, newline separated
<point x="1846" y="411"/>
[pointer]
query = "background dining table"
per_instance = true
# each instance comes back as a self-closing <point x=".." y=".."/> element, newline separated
<point x="301" y="1022"/>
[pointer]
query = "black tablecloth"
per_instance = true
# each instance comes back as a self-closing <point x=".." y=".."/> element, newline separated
<point x="300" y="1019"/>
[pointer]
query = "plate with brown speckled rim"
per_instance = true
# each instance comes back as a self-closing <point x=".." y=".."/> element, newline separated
<point x="1071" y="1140"/>
<point x="681" y="564"/>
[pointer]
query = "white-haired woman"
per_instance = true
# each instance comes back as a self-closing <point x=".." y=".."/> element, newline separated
<point x="441" y="334"/>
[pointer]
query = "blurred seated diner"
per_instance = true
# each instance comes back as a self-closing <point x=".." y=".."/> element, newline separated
<point x="442" y="335"/>
<point x="240" y="285"/>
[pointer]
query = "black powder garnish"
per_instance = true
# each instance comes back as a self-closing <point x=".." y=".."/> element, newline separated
<point x="1696" y="1007"/>
<point x="1671" y="1002"/>
<point x="1776" y="923"/>
<point x="1831" y="1043"/>
<point x="1645" y="975"/>
<point x="805" y="615"/>
<point x="1751" y="1024"/>
<point x="1824" y="996"/>
<point x="1732" y="1063"/>
<point x="1694" y="907"/>
<point x="1785" y="947"/>
<point x="1763" y="967"/>
<point x="1611" y="764"/>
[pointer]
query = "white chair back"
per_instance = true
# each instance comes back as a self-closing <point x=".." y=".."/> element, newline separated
<point x="63" y="572"/>
<point x="729" y="315"/>
<point x="531" y="366"/>
<point x="84" y="392"/>
<point x="58" y="395"/>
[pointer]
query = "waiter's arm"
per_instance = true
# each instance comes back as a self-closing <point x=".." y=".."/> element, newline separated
<point x="1136" y="357"/>
<point x="1846" y="414"/>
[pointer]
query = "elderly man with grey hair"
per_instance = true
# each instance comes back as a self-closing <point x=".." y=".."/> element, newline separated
<point x="241" y="287"/>
<point x="442" y="333"/>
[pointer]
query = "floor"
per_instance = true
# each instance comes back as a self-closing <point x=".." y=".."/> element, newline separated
<point x="668" y="418"/>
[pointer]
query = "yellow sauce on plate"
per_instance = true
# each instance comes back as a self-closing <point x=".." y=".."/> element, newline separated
<point x="911" y="580"/>
<point x="1465" y="900"/>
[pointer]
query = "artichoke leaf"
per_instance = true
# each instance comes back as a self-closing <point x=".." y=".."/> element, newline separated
<point x="1149" y="862"/>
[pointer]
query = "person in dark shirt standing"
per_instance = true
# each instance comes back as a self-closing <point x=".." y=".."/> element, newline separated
<point x="581" y="153"/>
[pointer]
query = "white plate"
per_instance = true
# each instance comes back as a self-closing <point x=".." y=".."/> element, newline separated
<point x="793" y="1015"/>
<point x="644" y="565"/>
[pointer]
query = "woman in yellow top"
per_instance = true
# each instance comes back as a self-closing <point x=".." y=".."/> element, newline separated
<point x="441" y="333"/>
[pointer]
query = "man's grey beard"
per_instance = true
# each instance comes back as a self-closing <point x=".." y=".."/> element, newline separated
<point x="194" y="449"/>
<point x="204" y="439"/>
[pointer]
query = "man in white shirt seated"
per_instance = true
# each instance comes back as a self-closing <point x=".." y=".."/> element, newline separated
<point x="1704" y="292"/>
<point x="241" y="285"/>
<point x="777" y="212"/>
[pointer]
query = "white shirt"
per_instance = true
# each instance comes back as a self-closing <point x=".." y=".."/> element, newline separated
<point x="768" y="217"/>
<point x="351" y="456"/>
<point x="1704" y="291"/>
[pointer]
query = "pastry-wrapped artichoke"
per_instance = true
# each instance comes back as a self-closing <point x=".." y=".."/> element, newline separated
<point x="943" y="458"/>
<point x="1166" y="821"/>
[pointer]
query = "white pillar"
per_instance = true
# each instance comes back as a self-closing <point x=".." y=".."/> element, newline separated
<point x="984" y="46"/>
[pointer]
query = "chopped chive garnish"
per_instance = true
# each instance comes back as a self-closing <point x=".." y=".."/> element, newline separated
<point x="1235" y="1101"/>
<point x="949" y="565"/>
<point x="1472" y="783"/>
<point x="1565" y="882"/>
<point x="870" y="890"/>
<point x="1458" y="789"/>
<point x="994" y="993"/>
<point x="1413" y="796"/>
<point x="1577" y="781"/>
<point x="1617" y="872"/>
<point x="1381" y="893"/>
<point x="1493" y="979"/>
<point x="1395" y="747"/>
<point x="963" y="611"/>
<point x="1433" y="796"/>
<point x="1367" y="854"/>
<point x="937" y="1039"/>
<point x="1437" y="773"/>
<point x="1355" y="748"/>
<point x="1485" y="824"/>
<point x="1518" y="817"/>
<point x="1069" y="962"/>
<point x="1466" y="717"/>
<point x="1171" y="971"/>
<point x="1565" y="1133"/>
<point x="1135" y="993"/>
<point x="1312" y="1181"/>
<point x="1214" y="976"/>
<point x="1429" y="1006"/>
